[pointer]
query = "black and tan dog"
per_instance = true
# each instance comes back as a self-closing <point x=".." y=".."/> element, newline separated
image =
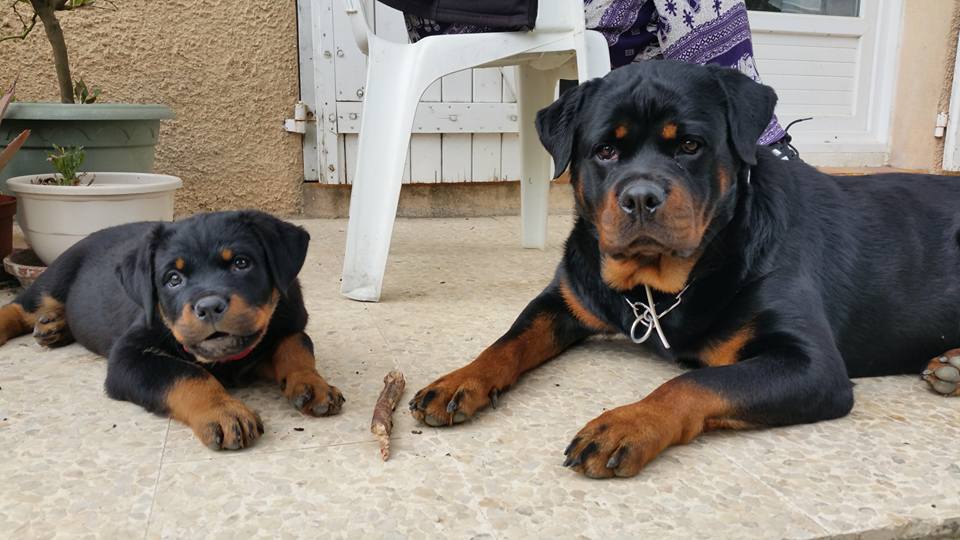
<point x="783" y="282"/>
<point x="182" y="309"/>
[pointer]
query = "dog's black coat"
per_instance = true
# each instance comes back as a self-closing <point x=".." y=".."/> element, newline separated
<point x="113" y="289"/>
<point x="844" y="276"/>
<point x="832" y="277"/>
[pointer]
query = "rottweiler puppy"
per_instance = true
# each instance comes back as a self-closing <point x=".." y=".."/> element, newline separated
<point x="780" y="283"/>
<point x="182" y="309"/>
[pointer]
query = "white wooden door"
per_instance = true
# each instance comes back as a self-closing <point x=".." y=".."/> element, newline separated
<point x="465" y="128"/>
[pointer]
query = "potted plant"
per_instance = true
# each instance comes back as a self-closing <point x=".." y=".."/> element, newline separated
<point x="8" y="204"/>
<point x="57" y="210"/>
<point x="116" y="136"/>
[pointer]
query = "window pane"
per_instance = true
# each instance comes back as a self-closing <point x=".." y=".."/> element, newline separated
<point x="843" y="8"/>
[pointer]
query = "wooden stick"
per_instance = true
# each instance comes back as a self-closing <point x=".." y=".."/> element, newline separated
<point x="382" y="423"/>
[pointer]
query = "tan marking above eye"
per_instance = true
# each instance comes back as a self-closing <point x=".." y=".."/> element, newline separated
<point x="669" y="131"/>
<point x="620" y="132"/>
<point x="226" y="254"/>
<point x="180" y="264"/>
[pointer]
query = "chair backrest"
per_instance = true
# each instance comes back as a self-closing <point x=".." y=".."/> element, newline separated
<point x="560" y="16"/>
<point x="552" y="16"/>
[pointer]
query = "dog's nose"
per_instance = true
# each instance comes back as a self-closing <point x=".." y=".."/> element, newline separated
<point x="642" y="196"/>
<point x="210" y="308"/>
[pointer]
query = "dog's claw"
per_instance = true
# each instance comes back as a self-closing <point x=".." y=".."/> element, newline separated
<point x="303" y="399"/>
<point x="573" y="444"/>
<point x="494" y="398"/>
<point x="454" y="403"/>
<point x="616" y="458"/>
<point x="426" y="399"/>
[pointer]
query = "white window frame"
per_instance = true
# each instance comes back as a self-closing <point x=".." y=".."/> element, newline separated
<point x="830" y="140"/>
<point x="951" y="145"/>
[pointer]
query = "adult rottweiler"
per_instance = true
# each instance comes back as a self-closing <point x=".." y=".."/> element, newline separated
<point x="779" y="282"/>
<point x="182" y="309"/>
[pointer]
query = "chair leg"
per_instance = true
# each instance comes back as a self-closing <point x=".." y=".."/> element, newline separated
<point x="536" y="90"/>
<point x="388" y="113"/>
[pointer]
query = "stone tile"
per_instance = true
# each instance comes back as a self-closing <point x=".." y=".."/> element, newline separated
<point x="342" y="491"/>
<point x="690" y="492"/>
<point x="47" y="496"/>
<point x="512" y="459"/>
<point x="453" y="286"/>
<point x="52" y="407"/>
<point x="885" y="470"/>
<point x="75" y="463"/>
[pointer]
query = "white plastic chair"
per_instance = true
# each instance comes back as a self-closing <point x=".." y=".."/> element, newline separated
<point x="397" y="76"/>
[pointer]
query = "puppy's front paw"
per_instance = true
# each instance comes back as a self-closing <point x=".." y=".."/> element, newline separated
<point x="310" y="394"/>
<point x="454" y="398"/>
<point x="230" y="425"/>
<point x="619" y="442"/>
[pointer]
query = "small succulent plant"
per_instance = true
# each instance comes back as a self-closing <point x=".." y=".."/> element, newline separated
<point x="67" y="162"/>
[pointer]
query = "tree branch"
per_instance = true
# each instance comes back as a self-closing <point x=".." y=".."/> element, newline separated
<point x="45" y="10"/>
<point x="27" y="26"/>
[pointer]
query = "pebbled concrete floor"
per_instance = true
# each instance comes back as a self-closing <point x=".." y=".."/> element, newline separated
<point x="74" y="463"/>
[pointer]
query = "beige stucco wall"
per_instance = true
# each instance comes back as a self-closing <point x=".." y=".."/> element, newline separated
<point x="927" y="50"/>
<point x="228" y="69"/>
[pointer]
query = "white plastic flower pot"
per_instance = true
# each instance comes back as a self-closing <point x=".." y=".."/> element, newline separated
<point x="53" y="218"/>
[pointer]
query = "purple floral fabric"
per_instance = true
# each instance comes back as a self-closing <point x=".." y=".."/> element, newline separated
<point x="695" y="31"/>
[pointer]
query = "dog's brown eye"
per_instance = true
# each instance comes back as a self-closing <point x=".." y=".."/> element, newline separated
<point x="606" y="152"/>
<point x="173" y="279"/>
<point x="241" y="263"/>
<point x="689" y="146"/>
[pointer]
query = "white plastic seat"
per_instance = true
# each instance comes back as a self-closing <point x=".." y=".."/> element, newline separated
<point x="397" y="76"/>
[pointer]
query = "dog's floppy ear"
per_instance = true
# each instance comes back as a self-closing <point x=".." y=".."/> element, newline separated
<point x="557" y="124"/>
<point x="284" y="244"/>
<point x="750" y="108"/>
<point x="136" y="271"/>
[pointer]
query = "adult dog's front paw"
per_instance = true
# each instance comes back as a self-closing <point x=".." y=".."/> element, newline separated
<point x="454" y="398"/>
<point x="310" y="394"/>
<point x="229" y="425"/>
<point x="620" y="441"/>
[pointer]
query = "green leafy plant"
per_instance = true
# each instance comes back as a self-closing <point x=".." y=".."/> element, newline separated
<point x="67" y="162"/>
<point x="7" y="153"/>
<point x="82" y="95"/>
<point x="46" y="12"/>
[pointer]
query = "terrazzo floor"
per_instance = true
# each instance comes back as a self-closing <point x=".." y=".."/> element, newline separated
<point x="74" y="464"/>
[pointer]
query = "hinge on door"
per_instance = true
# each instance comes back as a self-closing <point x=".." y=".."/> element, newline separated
<point x="297" y="124"/>
<point x="941" y="126"/>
